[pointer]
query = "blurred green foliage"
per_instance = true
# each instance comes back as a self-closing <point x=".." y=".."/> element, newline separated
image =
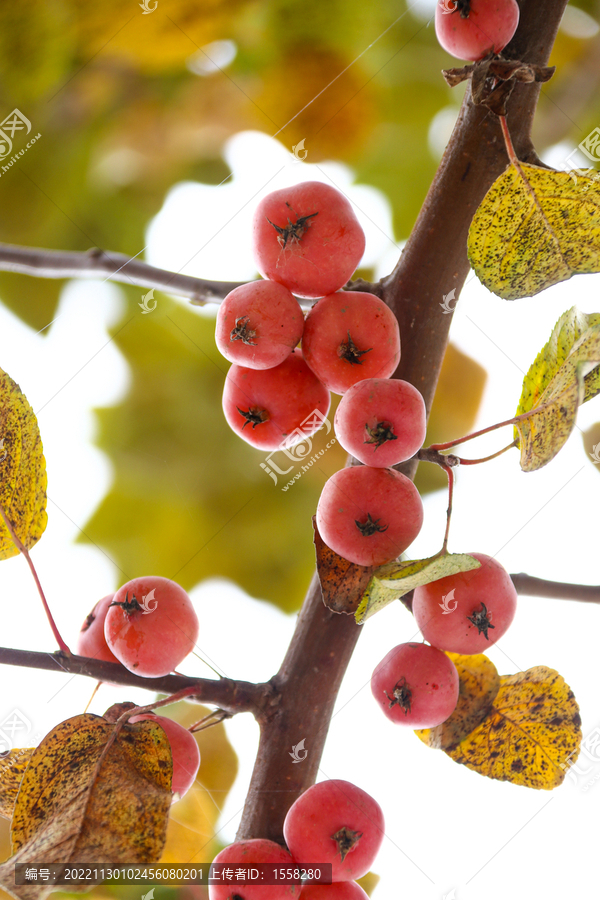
<point x="122" y="118"/>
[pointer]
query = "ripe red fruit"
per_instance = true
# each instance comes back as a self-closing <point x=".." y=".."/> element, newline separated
<point x="91" y="641"/>
<point x="468" y="612"/>
<point x="381" y="421"/>
<point x="266" y="407"/>
<point x="470" y="29"/>
<point x="307" y="238"/>
<point x="369" y="516"/>
<point x="350" y="336"/>
<point x="184" y="750"/>
<point x="416" y="685"/>
<point x="339" y="890"/>
<point x="153" y="627"/>
<point x="246" y="854"/>
<point x="335" y="822"/>
<point x="259" y="324"/>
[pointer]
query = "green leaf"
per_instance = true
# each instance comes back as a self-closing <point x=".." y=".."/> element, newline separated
<point x="535" y="227"/>
<point x="564" y="375"/>
<point x="393" y="580"/>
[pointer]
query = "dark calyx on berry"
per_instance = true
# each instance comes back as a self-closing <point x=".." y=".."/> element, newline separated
<point x="253" y="416"/>
<point x="350" y="352"/>
<point x="346" y="839"/>
<point x="242" y="331"/>
<point x="129" y="606"/>
<point x="380" y="434"/>
<point x="481" y="620"/>
<point x="401" y="695"/>
<point x="294" y="230"/>
<point x="371" y="526"/>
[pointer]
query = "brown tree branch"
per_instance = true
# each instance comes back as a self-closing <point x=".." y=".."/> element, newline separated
<point x="232" y="696"/>
<point x="433" y="262"/>
<point x="555" y="590"/>
<point x="114" y="267"/>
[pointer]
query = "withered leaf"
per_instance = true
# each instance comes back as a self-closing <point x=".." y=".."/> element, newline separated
<point x="76" y="805"/>
<point x="12" y="769"/>
<point x="342" y="583"/>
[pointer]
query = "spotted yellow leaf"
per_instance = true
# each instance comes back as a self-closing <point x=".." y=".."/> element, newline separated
<point x="22" y="469"/>
<point x="479" y="684"/>
<point x="12" y="769"/>
<point x="86" y="796"/>
<point x="532" y="729"/>
<point x="564" y="375"/>
<point x="394" y="580"/>
<point x="535" y="227"/>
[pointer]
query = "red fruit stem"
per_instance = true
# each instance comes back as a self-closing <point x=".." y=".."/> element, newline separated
<point x="140" y="710"/>
<point x="483" y="459"/>
<point x="450" y="474"/>
<point x="23" y="549"/>
<point x="508" y="143"/>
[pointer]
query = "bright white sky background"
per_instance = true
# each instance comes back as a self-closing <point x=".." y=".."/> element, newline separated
<point x="447" y="827"/>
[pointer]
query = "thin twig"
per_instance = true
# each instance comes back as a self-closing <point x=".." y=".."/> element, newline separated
<point x="232" y="696"/>
<point x="96" y="263"/>
<point x="450" y="474"/>
<point x="555" y="590"/>
<point x="483" y="459"/>
<point x="23" y="549"/>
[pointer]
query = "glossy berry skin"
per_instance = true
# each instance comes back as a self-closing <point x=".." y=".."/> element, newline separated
<point x="258" y="325"/>
<point x="91" y="641"/>
<point x="335" y="822"/>
<point x="350" y="336"/>
<point x="369" y="516"/>
<point x="416" y="685"/>
<point x="338" y="890"/>
<point x="151" y="643"/>
<point x="381" y="421"/>
<point x="486" y="595"/>
<point x="475" y="27"/>
<point x="307" y="238"/>
<point x="246" y="854"/>
<point x="184" y="750"/>
<point x="267" y="407"/>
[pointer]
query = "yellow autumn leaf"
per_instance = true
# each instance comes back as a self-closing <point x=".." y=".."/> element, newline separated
<point x="564" y="375"/>
<point x="534" y="228"/>
<point x="80" y="802"/>
<point x="479" y="684"/>
<point x="12" y="769"/>
<point x="531" y="730"/>
<point x="22" y="469"/>
<point x="394" y="580"/>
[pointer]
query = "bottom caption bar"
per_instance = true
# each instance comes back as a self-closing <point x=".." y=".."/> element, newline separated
<point x="203" y="873"/>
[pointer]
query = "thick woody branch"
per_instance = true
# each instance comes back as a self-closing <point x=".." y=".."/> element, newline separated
<point x="113" y="267"/>
<point x="433" y="262"/>
<point x="231" y="696"/>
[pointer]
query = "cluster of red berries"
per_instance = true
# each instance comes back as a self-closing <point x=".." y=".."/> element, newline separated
<point x="333" y="822"/>
<point x="308" y="240"/>
<point x="149" y="626"/>
<point x="418" y="685"/>
<point x="471" y="29"/>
